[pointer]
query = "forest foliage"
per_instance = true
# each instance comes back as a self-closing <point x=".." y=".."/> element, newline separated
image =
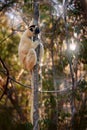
<point x="63" y="76"/>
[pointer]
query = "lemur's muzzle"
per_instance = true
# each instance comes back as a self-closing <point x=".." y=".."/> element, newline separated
<point x="37" y="30"/>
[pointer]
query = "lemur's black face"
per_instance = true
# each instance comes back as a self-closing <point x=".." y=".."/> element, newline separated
<point x="35" y="29"/>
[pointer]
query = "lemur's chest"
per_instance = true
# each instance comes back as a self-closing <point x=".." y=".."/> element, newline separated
<point x="26" y="41"/>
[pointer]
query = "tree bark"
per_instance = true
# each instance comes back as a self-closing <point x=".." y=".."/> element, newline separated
<point x="84" y="6"/>
<point x="55" y="88"/>
<point x="35" y="74"/>
<point x="73" y="109"/>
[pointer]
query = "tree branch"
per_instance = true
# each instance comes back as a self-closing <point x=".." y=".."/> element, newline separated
<point x="9" y="92"/>
<point x="7" y="80"/>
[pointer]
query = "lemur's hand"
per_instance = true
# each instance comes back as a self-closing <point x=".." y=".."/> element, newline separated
<point x="38" y="41"/>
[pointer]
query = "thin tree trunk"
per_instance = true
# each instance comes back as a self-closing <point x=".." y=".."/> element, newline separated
<point x="35" y="74"/>
<point x="84" y="7"/>
<point x="73" y="110"/>
<point x="55" y="87"/>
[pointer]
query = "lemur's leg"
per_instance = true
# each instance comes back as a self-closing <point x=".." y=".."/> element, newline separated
<point x="31" y="59"/>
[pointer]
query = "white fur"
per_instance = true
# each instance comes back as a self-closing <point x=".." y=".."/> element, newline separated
<point x="26" y="50"/>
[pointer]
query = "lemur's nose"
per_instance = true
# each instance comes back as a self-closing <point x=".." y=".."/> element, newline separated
<point x="37" y="30"/>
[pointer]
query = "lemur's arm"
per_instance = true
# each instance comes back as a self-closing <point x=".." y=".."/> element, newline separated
<point x="35" y="44"/>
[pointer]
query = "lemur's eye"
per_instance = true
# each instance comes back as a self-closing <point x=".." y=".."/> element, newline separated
<point x="31" y="29"/>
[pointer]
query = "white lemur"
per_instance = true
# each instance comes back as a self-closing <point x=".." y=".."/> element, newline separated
<point x="26" y="49"/>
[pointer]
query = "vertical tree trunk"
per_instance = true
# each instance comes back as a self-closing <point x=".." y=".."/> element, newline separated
<point x="35" y="74"/>
<point x="84" y="6"/>
<point x="55" y="87"/>
<point x="73" y="109"/>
